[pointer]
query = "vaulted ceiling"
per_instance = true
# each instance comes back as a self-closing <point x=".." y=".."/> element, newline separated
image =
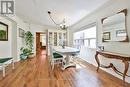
<point x="35" y="11"/>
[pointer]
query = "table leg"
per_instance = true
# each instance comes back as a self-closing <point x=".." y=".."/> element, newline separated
<point x="12" y="63"/>
<point x="3" y="67"/>
<point x="126" y="69"/>
<point x="97" y="60"/>
<point x="67" y="63"/>
<point x="67" y="59"/>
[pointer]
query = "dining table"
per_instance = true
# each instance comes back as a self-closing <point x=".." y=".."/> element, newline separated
<point x="68" y="53"/>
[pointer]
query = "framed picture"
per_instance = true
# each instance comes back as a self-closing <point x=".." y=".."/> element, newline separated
<point x="21" y="33"/>
<point x="3" y="32"/>
<point x="106" y="36"/>
<point x="120" y="33"/>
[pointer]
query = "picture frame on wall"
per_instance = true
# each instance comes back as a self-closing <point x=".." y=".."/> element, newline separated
<point x="21" y="33"/>
<point x="3" y="32"/>
<point x="120" y="33"/>
<point x="106" y="36"/>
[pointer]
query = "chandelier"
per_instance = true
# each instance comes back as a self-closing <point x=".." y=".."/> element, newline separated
<point x="61" y="25"/>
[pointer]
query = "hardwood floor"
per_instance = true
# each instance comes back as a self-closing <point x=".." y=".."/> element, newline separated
<point x="36" y="72"/>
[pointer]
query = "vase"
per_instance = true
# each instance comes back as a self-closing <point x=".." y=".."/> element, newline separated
<point x="23" y="56"/>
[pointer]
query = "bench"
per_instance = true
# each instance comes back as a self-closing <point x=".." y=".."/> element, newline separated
<point x="4" y="62"/>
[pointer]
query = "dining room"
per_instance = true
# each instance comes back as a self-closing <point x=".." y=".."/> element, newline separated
<point x="64" y="43"/>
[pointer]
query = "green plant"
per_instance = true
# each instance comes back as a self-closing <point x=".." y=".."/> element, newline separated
<point x="2" y="34"/>
<point x="26" y="51"/>
<point x="29" y="39"/>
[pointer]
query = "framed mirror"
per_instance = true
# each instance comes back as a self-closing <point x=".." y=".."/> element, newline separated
<point x="114" y="27"/>
<point x="3" y="32"/>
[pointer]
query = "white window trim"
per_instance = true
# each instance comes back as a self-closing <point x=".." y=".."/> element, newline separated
<point x="87" y="27"/>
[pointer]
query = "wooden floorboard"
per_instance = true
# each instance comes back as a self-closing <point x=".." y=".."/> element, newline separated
<point x="36" y="72"/>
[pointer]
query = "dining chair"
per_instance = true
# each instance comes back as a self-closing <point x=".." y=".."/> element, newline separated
<point x="56" y="58"/>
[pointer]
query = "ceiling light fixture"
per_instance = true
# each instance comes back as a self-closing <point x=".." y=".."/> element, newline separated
<point x="62" y="25"/>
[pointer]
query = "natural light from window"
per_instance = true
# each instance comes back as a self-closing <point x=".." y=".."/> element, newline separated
<point x="86" y="37"/>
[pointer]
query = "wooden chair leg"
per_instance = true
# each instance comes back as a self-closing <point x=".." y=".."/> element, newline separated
<point x="3" y="70"/>
<point x="13" y="64"/>
<point x="52" y="65"/>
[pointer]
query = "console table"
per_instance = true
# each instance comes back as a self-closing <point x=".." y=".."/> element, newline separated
<point x="125" y="59"/>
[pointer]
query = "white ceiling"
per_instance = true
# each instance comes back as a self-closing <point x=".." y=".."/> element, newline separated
<point x="35" y="11"/>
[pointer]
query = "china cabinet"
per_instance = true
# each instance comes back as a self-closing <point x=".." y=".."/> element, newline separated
<point x="57" y="38"/>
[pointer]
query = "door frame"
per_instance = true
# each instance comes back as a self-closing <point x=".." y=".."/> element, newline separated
<point x="45" y="32"/>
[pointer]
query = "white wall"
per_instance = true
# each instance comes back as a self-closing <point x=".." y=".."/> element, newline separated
<point x="108" y="9"/>
<point x="14" y="38"/>
<point x="5" y="46"/>
<point x="20" y="41"/>
<point x="14" y="43"/>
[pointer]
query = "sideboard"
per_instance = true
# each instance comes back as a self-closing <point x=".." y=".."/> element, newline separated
<point x="124" y="58"/>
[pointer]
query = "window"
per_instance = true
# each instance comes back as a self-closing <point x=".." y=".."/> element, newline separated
<point x="86" y="37"/>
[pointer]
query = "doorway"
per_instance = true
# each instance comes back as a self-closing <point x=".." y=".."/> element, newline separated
<point x="41" y="42"/>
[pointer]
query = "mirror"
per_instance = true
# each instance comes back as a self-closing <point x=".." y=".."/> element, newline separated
<point x="114" y="27"/>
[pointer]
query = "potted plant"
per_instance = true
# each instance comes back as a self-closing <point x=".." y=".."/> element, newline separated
<point x="27" y="51"/>
<point x="24" y="53"/>
<point x="29" y="40"/>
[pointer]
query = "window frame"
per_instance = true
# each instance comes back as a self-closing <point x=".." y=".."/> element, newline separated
<point x="89" y="39"/>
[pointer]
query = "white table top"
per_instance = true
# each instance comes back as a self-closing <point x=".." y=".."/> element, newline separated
<point x="66" y="50"/>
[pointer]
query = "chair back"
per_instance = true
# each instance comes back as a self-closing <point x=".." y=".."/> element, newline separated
<point x="51" y="51"/>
